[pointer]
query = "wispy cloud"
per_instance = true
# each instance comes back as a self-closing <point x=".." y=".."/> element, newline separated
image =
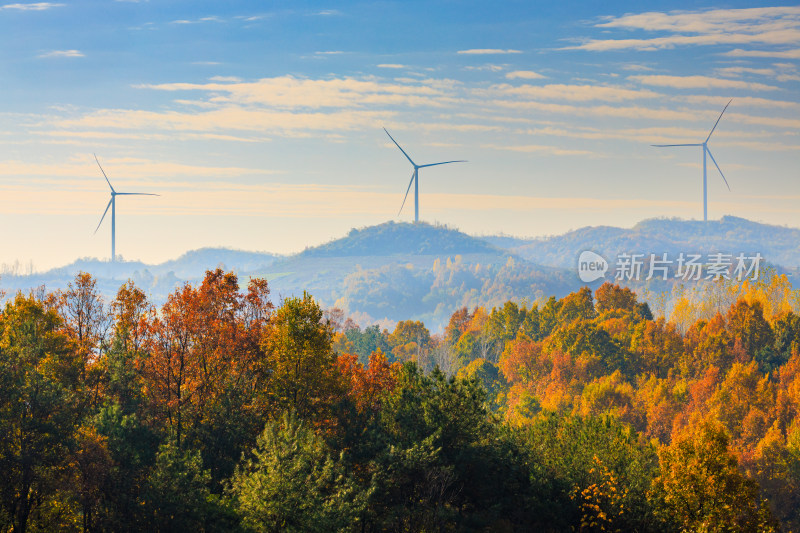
<point x="784" y="54"/>
<point x="39" y="6"/>
<point x="251" y="18"/>
<point x="230" y="110"/>
<point x="77" y="137"/>
<point x="761" y="146"/>
<point x="391" y="65"/>
<point x="786" y="73"/>
<point x="765" y="26"/>
<point x="62" y="53"/>
<point x="524" y="75"/>
<point x="291" y="92"/>
<point x="572" y="93"/>
<point x="709" y="20"/>
<point x="699" y="82"/>
<point x="604" y="111"/>
<point x="231" y="118"/>
<point x="119" y="169"/>
<point x="751" y="101"/>
<point x="637" y="68"/>
<point x="487" y="51"/>
<point x="488" y="68"/>
<point x="661" y="43"/>
<point x="212" y="18"/>
<point x="660" y="134"/>
<point x="779" y="122"/>
<point x="737" y="71"/>
<point x="151" y="26"/>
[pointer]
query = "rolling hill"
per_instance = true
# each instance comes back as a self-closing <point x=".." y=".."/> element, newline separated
<point x="400" y="271"/>
<point x="777" y="244"/>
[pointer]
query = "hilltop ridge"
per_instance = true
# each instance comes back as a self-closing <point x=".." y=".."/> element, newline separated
<point x="399" y="270"/>
<point x="393" y="238"/>
<point x="777" y="244"/>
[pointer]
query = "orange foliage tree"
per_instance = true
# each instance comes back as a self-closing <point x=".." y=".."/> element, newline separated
<point x="205" y="340"/>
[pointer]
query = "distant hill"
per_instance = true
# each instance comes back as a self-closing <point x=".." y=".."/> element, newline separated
<point x="389" y="272"/>
<point x="396" y="238"/>
<point x="399" y="271"/>
<point x="157" y="280"/>
<point x="778" y="245"/>
<point x="193" y="264"/>
<point x="505" y="241"/>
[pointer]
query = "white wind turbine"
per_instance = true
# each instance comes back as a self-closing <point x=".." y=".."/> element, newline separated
<point x="113" y="205"/>
<point x="415" y="178"/>
<point x="706" y="151"/>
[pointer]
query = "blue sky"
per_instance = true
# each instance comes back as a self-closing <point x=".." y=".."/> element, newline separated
<point x="260" y="124"/>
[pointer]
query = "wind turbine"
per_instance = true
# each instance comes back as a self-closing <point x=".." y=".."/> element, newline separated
<point x="415" y="178"/>
<point x="706" y="151"/>
<point x="113" y="205"/>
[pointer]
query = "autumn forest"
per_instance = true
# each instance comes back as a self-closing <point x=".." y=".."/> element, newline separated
<point x="224" y="411"/>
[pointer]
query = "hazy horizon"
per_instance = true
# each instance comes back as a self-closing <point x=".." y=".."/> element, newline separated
<point x="261" y="129"/>
<point x="26" y="267"/>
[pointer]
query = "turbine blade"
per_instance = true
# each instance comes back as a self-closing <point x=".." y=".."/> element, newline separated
<point x="104" y="172"/>
<point x="720" y="116"/>
<point x="136" y="194"/>
<point x="413" y="175"/>
<point x="720" y="170"/>
<point x="404" y="152"/>
<point x="444" y="163"/>
<point x="104" y="215"/>
<point x="669" y="145"/>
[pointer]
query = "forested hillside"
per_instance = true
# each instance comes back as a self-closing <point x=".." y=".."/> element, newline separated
<point x="399" y="271"/>
<point x="218" y="411"/>
<point x="363" y="273"/>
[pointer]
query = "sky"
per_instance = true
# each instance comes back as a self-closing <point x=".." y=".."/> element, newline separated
<point x="260" y="124"/>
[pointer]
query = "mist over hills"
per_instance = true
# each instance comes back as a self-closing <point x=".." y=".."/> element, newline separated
<point x="777" y="244"/>
<point x="400" y="271"/>
<point x="157" y="280"/>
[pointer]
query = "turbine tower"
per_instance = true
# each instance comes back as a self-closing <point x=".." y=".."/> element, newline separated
<point x="415" y="178"/>
<point x="113" y="205"/>
<point x="706" y="151"/>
